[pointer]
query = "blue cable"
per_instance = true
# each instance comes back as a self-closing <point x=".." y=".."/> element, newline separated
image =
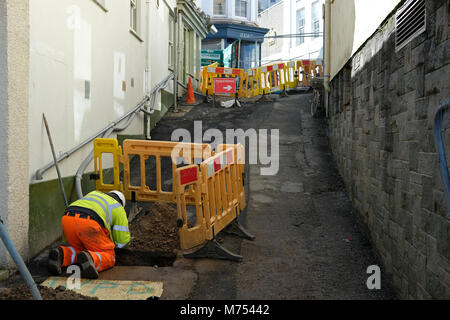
<point x="438" y="118"/>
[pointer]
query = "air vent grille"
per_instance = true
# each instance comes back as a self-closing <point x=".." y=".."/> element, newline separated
<point x="410" y="21"/>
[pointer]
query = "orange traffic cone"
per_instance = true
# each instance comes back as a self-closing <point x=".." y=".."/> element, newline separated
<point x="190" y="99"/>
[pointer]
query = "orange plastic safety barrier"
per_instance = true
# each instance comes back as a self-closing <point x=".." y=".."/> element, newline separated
<point x="154" y="153"/>
<point x="211" y="183"/>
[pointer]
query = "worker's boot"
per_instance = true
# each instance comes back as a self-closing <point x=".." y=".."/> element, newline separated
<point x="55" y="259"/>
<point x="88" y="270"/>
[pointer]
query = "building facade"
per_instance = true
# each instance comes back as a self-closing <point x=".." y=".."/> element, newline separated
<point x="292" y="19"/>
<point x="85" y="65"/>
<point x="236" y="24"/>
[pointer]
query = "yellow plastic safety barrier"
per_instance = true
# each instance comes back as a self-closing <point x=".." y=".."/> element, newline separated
<point x="221" y="203"/>
<point x="195" y="235"/>
<point x="209" y="73"/>
<point x="252" y="83"/>
<point x="291" y="75"/>
<point x="272" y="78"/>
<point x="157" y="154"/>
<point x="239" y="155"/>
<point x="211" y="183"/>
<point x="111" y="147"/>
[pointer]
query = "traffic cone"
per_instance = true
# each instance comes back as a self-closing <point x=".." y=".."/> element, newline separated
<point x="190" y="99"/>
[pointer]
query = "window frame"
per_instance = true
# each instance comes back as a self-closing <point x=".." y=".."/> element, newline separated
<point x="224" y="10"/>
<point x="315" y="19"/>
<point x="247" y="11"/>
<point x="300" y="40"/>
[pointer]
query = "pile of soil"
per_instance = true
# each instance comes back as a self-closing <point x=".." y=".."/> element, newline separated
<point x="154" y="238"/>
<point x="22" y="292"/>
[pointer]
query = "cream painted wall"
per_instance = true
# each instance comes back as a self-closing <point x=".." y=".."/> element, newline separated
<point x="14" y="61"/>
<point x="72" y="41"/>
<point x="352" y="23"/>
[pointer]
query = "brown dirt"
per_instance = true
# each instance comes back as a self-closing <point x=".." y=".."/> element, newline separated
<point x="22" y="292"/>
<point x="154" y="238"/>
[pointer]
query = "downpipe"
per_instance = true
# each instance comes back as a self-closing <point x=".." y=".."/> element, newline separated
<point x="327" y="58"/>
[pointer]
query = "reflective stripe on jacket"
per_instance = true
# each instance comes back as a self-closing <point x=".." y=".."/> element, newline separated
<point x="111" y="212"/>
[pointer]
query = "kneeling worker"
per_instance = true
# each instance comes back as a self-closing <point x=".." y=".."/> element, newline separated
<point x="92" y="226"/>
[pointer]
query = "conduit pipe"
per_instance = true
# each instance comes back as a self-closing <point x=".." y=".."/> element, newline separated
<point x="440" y="147"/>
<point x="327" y="56"/>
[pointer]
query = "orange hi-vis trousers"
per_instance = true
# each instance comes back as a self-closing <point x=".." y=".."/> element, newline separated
<point x="85" y="234"/>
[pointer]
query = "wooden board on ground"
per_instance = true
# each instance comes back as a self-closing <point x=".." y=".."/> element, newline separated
<point x="109" y="289"/>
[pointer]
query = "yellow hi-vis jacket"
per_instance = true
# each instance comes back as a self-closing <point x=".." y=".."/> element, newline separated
<point x="111" y="212"/>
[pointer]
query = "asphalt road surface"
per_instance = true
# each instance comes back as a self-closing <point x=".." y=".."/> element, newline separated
<point x="309" y="244"/>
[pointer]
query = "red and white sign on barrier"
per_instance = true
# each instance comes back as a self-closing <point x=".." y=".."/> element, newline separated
<point x="220" y="161"/>
<point x="272" y="67"/>
<point x="188" y="175"/>
<point x="224" y="70"/>
<point x="224" y="85"/>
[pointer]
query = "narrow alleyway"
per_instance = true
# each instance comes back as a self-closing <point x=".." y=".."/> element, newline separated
<point x="308" y="243"/>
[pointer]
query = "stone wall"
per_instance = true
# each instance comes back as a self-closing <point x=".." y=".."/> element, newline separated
<point x="382" y="107"/>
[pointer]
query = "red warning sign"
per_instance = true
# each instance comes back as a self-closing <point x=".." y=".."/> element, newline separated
<point x="188" y="175"/>
<point x="224" y="85"/>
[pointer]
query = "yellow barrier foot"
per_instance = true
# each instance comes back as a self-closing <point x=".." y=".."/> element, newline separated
<point x="213" y="250"/>
<point x="235" y="228"/>
<point x="284" y="94"/>
<point x="134" y="211"/>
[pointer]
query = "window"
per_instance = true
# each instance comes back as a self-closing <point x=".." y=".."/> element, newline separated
<point x="410" y="21"/>
<point x="241" y="8"/>
<point x="170" y="55"/>
<point x="300" y="25"/>
<point x="315" y="18"/>
<point x="219" y="7"/>
<point x="134" y="15"/>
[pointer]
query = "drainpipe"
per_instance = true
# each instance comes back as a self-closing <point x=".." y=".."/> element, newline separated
<point x="19" y="262"/>
<point x="147" y="71"/>
<point x="175" y="60"/>
<point x="327" y="55"/>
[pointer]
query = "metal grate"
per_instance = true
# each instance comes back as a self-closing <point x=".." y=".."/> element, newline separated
<point x="410" y="21"/>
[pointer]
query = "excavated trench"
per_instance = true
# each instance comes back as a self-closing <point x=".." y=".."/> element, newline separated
<point x="154" y="238"/>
